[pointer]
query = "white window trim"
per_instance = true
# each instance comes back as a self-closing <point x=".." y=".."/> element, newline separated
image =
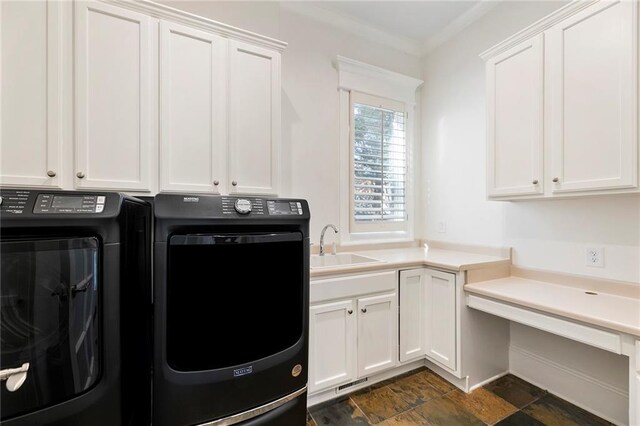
<point x="361" y="77"/>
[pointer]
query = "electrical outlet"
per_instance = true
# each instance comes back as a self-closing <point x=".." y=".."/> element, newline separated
<point x="595" y="257"/>
<point x="442" y="227"/>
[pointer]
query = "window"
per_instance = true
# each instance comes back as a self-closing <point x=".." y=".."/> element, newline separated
<point x="378" y="164"/>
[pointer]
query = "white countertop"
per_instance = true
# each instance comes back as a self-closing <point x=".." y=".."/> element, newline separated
<point x="609" y="310"/>
<point x="415" y="257"/>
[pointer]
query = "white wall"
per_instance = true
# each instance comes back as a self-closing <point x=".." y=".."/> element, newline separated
<point x="545" y="234"/>
<point x="310" y="144"/>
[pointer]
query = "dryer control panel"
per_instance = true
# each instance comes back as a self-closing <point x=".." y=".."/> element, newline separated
<point x="69" y="203"/>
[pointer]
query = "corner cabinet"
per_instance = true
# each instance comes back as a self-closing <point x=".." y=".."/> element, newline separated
<point x="136" y="97"/>
<point x="562" y="104"/>
<point x="428" y="317"/>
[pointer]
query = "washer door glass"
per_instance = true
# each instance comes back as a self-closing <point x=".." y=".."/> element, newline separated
<point x="233" y="298"/>
<point x="49" y="322"/>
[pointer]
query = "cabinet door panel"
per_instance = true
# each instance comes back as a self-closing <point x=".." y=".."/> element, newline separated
<point x="377" y="334"/>
<point x="515" y="104"/>
<point x="254" y="118"/>
<point x="594" y="98"/>
<point x="113" y="88"/>
<point x="441" y="317"/>
<point x="331" y="345"/>
<point x="191" y="109"/>
<point x="412" y="315"/>
<point x="31" y="48"/>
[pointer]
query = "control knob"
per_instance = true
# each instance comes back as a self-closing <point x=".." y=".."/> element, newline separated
<point x="243" y="206"/>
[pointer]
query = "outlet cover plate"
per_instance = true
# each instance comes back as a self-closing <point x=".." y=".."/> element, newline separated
<point x="595" y="257"/>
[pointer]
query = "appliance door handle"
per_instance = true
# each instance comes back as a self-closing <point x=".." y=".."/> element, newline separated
<point x="233" y="239"/>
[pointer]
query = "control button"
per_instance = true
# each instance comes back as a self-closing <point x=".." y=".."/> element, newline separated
<point x="101" y="199"/>
<point x="243" y="206"/>
<point x="0" y="201"/>
<point x="99" y="208"/>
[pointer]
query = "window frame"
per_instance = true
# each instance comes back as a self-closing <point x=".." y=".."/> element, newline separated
<point x="381" y="226"/>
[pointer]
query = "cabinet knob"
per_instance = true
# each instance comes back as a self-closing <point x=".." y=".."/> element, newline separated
<point x="80" y="175"/>
<point x="535" y="181"/>
<point x="51" y="173"/>
<point x="363" y="310"/>
<point x="234" y="183"/>
<point x="350" y="311"/>
<point x="556" y="180"/>
<point x="216" y="182"/>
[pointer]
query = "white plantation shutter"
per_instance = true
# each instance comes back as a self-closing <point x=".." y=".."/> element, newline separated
<point x="379" y="164"/>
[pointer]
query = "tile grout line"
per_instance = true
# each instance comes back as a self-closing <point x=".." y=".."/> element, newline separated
<point x="361" y="410"/>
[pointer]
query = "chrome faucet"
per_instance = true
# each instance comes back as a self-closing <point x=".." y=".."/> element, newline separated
<point x="335" y="231"/>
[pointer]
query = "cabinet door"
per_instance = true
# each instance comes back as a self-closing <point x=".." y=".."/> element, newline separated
<point x="192" y="122"/>
<point x="440" y="300"/>
<point x="31" y="138"/>
<point x="331" y="345"/>
<point x="515" y="105"/>
<point x="254" y="119"/>
<point x="377" y="334"/>
<point x="594" y="98"/>
<point x="412" y="315"/>
<point x="113" y="89"/>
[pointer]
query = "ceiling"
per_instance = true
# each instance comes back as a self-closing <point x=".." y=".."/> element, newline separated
<point x="415" y="20"/>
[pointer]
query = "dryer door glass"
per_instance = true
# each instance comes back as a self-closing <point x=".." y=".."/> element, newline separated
<point x="49" y="317"/>
<point x="233" y="298"/>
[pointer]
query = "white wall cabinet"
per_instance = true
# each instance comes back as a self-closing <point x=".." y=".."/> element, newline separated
<point x="160" y="100"/>
<point x="192" y="109"/>
<point x="332" y="340"/>
<point x="594" y="95"/>
<point x="412" y="315"/>
<point x="515" y="104"/>
<point x="113" y="85"/>
<point x="31" y="87"/>
<point x="254" y="118"/>
<point x="562" y="105"/>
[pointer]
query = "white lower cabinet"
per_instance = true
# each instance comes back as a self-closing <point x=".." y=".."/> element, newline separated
<point x="352" y="333"/>
<point x="332" y="337"/>
<point x="428" y="317"/>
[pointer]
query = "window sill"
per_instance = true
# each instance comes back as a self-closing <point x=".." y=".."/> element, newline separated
<point x="377" y="238"/>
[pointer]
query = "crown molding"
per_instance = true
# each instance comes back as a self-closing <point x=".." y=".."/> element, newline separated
<point x="538" y="27"/>
<point x="161" y="11"/>
<point x="366" y="78"/>
<point x="353" y="26"/>
<point x="458" y="25"/>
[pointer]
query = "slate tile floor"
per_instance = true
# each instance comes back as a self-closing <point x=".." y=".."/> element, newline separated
<point x="421" y="397"/>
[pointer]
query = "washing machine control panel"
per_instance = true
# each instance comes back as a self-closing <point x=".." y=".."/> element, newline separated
<point x="69" y="203"/>
<point x="13" y="201"/>
<point x="251" y="206"/>
<point x="284" y="207"/>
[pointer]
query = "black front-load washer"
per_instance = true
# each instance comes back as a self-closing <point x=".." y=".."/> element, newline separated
<point x="75" y="308"/>
<point x="231" y="303"/>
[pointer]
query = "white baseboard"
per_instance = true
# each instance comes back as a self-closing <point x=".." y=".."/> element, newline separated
<point x="602" y="399"/>
<point x="489" y="380"/>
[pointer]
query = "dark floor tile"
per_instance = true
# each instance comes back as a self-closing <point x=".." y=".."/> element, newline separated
<point x="415" y="389"/>
<point x="519" y="419"/>
<point x="342" y="412"/>
<point x="310" y="421"/>
<point x="552" y="410"/>
<point x="443" y="411"/>
<point x="515" y="390"/>
<point x="380" y="404"/>
<point x="483" y="404"/>
<point x="438" y="382"/>
<point x="408" y="418"/>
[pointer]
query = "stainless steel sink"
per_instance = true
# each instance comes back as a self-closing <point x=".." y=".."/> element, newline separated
<point x="340" y="259"/>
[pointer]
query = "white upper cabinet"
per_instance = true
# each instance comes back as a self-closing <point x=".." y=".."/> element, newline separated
<point x="594" y="94"/>
<point x="113" y="84"/>
<point x="31" y="121"/>
<point x="192" y="109"/>
<point x="562" y="104"/>
<point x="515" y="114"/>
<point x="254" y="118"/>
